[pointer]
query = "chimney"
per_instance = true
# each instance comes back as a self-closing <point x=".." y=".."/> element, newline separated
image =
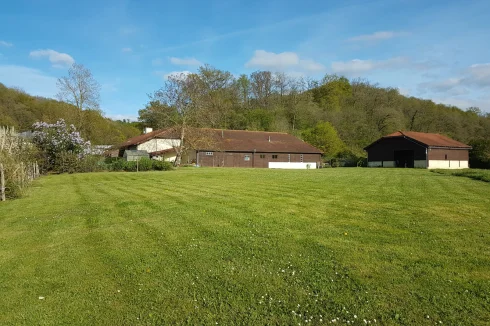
<point x="147" y="130"/>
<point x="222" y="134"/>
<point x="269" y="139"/>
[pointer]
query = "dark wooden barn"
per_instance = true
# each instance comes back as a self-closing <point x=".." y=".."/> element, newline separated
<point x="228" y="148"/>
<point x="254" y="149"/>
<point x="417" y="149"/>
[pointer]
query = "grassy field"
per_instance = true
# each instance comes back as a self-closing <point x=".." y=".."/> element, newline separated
<point x="247" y="247"/>
<point x="476" y="174"/>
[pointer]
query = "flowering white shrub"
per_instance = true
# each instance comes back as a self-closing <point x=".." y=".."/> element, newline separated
<point x="57" y="141"/>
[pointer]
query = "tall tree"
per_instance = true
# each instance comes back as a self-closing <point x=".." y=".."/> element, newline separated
<point x="80" y="89"/>
<point x="180" y="103"/>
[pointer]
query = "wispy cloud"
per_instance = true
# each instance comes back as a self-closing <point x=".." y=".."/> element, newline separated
<point x="6" y="44"/>
<point x="476" y="76"/>
<point x="358" y="67"/>
<point x="282" y="62"/>
<point x="185" y="61"/>
<point x="126" y="50"/>
<point x="377" y="36"/>
<point x="237" y="33"/>
<point x="58" y="59"/>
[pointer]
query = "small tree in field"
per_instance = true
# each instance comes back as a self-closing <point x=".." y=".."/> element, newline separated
<point x="61" y="145"/>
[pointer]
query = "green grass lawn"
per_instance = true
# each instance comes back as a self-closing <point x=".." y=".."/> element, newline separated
<point x="247" y="247"/>
<point x="476" y="174"/>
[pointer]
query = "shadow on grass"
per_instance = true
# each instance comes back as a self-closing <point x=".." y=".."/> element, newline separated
<point x="475" y="174"/>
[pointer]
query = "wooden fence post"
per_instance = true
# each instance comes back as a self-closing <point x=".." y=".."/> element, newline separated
<point x="2" y="183"/>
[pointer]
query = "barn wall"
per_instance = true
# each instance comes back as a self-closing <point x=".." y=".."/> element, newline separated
<point x="238" y="159"/>
<point x="384" y="150"/>
<point x="448" y="164"/>
<point x="443" y="154"/>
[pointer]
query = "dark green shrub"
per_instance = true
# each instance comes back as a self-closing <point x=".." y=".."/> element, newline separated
<point x="66" y="162"/>
<point x="92" y="163"/>
<point x="117" y="165"/>
<point x="162" y="165"/>
<point x="145" y="164"/>
<point x="129" y="166"/>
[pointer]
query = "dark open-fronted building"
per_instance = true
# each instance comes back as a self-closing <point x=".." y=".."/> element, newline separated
<point x="417" y="149"/>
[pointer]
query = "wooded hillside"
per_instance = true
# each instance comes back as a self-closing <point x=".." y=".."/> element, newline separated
<point x="357" y="111"/>
<point x="20" y="110"/>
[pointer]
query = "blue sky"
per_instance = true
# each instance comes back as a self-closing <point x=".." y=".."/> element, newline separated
<point x="431" y="49"/>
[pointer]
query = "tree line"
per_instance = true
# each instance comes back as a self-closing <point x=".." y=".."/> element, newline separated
<point x="338" y="115"/>
<point x="77" y="105"/>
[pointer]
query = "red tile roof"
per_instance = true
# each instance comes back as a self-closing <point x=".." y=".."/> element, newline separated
<point x="235" y="141"/>
<point x="431" y="140"/>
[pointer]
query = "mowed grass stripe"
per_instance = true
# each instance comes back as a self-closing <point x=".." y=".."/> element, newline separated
<point x="233" y="246"/>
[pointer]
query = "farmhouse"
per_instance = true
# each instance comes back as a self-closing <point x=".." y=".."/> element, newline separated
<point x="417" y="149"/>
<point x="228" y="148"/>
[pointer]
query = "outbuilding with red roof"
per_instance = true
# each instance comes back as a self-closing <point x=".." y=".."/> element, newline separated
<point x="418" y="149"/>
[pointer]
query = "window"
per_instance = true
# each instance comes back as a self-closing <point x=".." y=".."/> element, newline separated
<point x="209" y="153"/>
<point x="262" y="155"/>
<point x="446" y="157"/>
<point x="289" y="157"/>
<point x="301" y="158"/>
<point x="274" y="156"/>
<point x="246" y="157"/>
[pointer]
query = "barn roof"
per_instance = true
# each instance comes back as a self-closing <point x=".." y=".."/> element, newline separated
<point x="256" y="141"/>
<point x="162" y="133"/>
<point x="427" y="139"/>
<point x="233" y="141"/>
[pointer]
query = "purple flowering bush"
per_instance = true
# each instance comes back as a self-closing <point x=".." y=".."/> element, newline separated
<point x="61" y="145"/>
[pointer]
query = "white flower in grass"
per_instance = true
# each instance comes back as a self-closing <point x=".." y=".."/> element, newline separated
<point x="41" y="298"/>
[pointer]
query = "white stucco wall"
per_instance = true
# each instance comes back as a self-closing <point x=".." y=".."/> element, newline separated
<point x="294" y="165"/>
<point x="447" y="164"/>
<point x="154" y="145"/>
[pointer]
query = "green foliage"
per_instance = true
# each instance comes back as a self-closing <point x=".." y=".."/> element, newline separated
<point x="480" y="154"/>
<point x="144" y="164"/>
<point x="162" y="165"/>
<point x="247" y="247"/>
<point x="20" y="110"/>
<point x="324" y="137"/>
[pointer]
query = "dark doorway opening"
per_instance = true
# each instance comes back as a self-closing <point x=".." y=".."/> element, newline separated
<point x="404" y="159"/>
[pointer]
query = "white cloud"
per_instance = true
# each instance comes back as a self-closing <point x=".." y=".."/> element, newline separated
<point x="282" y="62"/>
<point x="357" y="67"/>
<point x="6" y="44"/>
<point x="176" y="74"/>
<point x="478" y="75"/>
<point x="185" y="61"/>
<point x="126" y="50"/>
<point x="59" y="60"/>
<point x="33" y="81"/>
<point x="475" y="76"/>
<point x="376" y="36"/>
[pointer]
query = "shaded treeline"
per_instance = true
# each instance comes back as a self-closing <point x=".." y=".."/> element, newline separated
<point x="20" y="110"/>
